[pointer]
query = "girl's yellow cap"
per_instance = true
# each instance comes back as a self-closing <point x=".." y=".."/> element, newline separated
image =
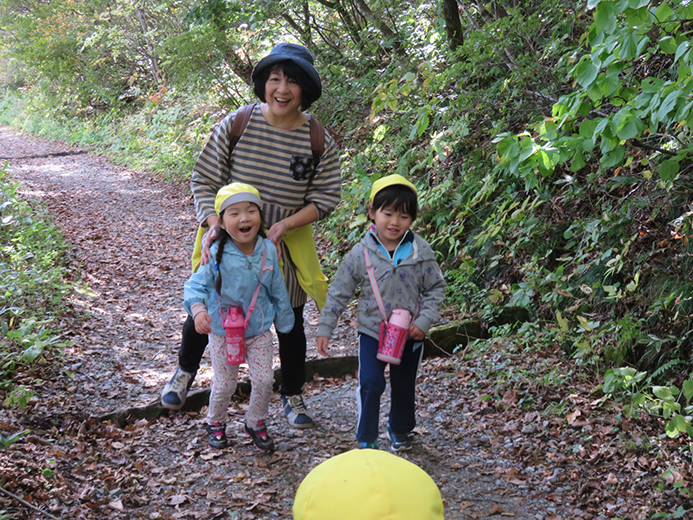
<point x="390" y="180"/>
<point x="235" y="192"/>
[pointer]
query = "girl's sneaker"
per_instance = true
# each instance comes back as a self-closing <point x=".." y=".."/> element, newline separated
<point x="260" y="437"/>
<point x="217" y="435"/>
<point x="368" y="445"/>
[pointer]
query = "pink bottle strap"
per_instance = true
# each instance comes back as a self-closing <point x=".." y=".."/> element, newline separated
<point x="376" y="289"/>
<point x="374" y="284"/>
<point x="251" y="308"/>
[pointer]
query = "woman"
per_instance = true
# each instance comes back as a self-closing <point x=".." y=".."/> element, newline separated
<point x="274" y="155"/>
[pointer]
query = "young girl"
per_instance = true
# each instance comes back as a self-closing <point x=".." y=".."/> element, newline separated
<point x="408" y="277"/>
<point x="243" y="262"/>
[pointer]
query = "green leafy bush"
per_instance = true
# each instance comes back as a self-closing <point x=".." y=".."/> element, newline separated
<point x="34" y="281"/>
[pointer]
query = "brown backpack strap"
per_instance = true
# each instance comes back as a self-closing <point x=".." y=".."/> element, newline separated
<point x="240" y="121"/>
<point x="317" y="140"/>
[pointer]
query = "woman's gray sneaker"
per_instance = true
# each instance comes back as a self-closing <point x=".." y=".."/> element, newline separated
<point x="296" y="412"/>
<point x="176" y="390"/>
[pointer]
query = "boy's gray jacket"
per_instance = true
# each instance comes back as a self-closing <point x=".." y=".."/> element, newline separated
<point x="240" y="277"/>
<point x="417" y="280"/>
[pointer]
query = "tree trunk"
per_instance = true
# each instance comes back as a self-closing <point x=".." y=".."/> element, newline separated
<point x="453" y="24"/>
<point x="151" y="50"/>
<point x="388" y="33"/>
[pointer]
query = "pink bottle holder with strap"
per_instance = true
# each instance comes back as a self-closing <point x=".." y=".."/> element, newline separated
<point x="393" y="336"/>
<point x="393" y="333"/>
<point x="235" y="324"/>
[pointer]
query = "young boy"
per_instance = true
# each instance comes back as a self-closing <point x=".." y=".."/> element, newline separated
<point x="408" y="277"/>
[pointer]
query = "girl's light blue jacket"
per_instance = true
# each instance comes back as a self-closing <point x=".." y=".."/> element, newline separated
<point x="240" y="276"/>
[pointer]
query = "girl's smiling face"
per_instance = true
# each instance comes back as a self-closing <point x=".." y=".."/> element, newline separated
<point x="283" y="95"/>
<point x="242" y="221"/>
<point x="392" y="225"/>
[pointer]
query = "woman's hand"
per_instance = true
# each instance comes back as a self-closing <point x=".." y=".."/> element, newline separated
<point x="322" y="346"/>
<point x="210" y="237"/>
<point x="276" y="235"/>
<point x="203" y="323"/>
<point x="416" y="333"/>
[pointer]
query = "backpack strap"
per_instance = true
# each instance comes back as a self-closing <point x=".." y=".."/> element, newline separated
<point x="317" y="140"/>
<point x="240" y="121"/>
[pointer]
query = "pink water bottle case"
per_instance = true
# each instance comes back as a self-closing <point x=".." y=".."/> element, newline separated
<point x="393" y="336"/>
<point x="234" y="326"/>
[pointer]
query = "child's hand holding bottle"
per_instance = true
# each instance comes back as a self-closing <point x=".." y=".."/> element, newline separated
<point x="416" y="333"/>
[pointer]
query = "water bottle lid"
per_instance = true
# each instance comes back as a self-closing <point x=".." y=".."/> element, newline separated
<point x="400" y="317"/>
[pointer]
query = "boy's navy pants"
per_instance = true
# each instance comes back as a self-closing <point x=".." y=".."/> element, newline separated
<point x="372" y="385"/>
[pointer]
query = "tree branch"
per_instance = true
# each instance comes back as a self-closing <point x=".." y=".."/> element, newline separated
<point x="27" y="504"/>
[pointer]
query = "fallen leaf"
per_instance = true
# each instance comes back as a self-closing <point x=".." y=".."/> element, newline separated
<point x="117" y="505"/>
<point x="572" y="417"/>
<point x="495" y="510"/>
<point x="176" y="500"/>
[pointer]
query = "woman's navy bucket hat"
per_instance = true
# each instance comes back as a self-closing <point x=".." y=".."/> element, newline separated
<point x="298" y="54"/>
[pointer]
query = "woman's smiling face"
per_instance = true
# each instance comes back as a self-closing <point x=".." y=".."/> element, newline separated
<point x="283" y="95"/>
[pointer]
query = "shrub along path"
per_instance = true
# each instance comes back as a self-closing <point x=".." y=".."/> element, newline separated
<point x="491" y="456"/>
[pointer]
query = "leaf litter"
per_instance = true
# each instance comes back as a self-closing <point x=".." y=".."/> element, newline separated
<point x="484" y="438"/>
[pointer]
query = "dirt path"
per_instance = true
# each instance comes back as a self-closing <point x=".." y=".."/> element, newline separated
<point x="131" y="240"/>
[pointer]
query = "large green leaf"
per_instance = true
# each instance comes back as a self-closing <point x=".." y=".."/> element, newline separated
<point x="636" y="17"/>
<point x="668" y="170"/>
<point x="585" y="73"/>
<point x="629" y="126"/>
<point x="629" y="46"/>
<point x="605" y="17"/>
<point x="668" y="44"/>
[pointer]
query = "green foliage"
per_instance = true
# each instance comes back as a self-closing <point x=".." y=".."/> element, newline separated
<point x="6" y="442"/>
<point x="661" y="400"/>
<point x="33" y="286"/>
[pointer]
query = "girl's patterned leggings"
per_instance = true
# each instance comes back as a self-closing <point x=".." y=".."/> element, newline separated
<point x="259" y="358"/>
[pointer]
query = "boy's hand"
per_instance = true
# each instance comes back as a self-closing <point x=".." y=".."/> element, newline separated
<point x="416" y="333"/>
<point x="203" y="323"/>
<point x="322" y="346"/>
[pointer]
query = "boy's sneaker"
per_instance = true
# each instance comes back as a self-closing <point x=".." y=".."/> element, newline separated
<point x="176" y="390"/>
<point x="217" y="435"/>
<point x="368" y="445"/>
<point x="296" y="412"/>
<point x="260" y="437"/>
<point x="399" y="442"/>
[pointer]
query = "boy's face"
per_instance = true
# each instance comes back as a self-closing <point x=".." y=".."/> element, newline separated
<point x="392" y="225"/>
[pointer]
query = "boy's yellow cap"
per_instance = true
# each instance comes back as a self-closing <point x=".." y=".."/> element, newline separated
<point x="390" y="180"/>
<point x="367" y="485"/>
<point x="235" y="192"/>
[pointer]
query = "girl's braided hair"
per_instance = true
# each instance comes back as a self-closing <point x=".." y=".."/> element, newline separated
<point x="224" y="237"/>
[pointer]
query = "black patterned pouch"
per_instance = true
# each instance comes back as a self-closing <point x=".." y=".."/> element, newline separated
<point x="301" y="167"/>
